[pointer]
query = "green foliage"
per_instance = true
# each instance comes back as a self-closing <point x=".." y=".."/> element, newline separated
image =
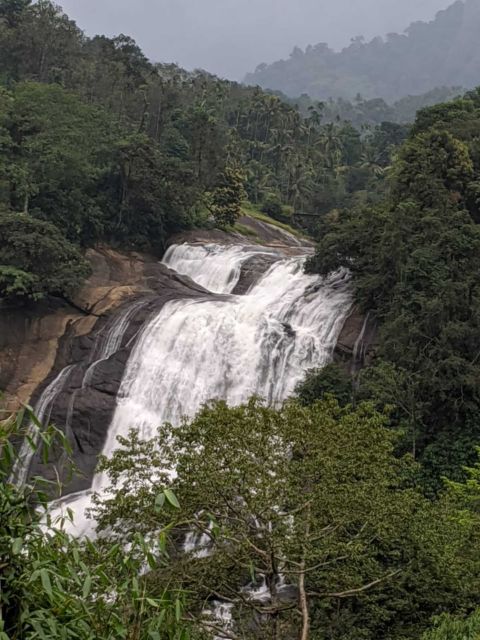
<point x="314" y="494"/>
<point x="226" y="200"/>
<point x="109" y="147"/>
<point x="318" y="383"/>
<point x="467" y="494"/>
<point x="427" y="55"/>
<point x="54" y="586"/>
<point x="36" y="259"/>
<point x="272" y="206"/>
<point x="455" y="628"/>
<point x="414" y="261"/>
<point x="432" y="167"/>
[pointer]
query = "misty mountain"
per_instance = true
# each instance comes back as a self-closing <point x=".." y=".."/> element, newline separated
<point x="443" y="52"/>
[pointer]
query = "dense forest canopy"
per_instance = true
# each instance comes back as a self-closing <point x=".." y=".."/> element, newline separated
<point x="362" y="112"/>
<point x="444" y="52"/>
<point x="108" y="147"/>
<point x="415" y="265"/>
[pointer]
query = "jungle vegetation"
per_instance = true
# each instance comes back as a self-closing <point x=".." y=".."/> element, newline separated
<point x="361" y="494"/>
<point x="109" y="147"/>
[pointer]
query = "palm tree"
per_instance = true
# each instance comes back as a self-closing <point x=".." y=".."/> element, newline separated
<point x="331" y="146"/>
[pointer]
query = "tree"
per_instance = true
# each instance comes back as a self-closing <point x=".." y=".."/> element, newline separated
<point x="36" y="260"/>
<point x="306" y="505"/>
<point x="62" y="153"/>
<point x="414" y="262"/>
<point x="432" y="167"/>
<point x="153" y="195"/>
<point x="331" y="380"/>
<point x="226" y="199"/>
<point x="455" y="628"/>
<point x="55" y="586"/>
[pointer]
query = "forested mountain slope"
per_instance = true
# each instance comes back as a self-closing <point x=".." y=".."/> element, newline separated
<point x="443" y="52"/>
<point x="99" y="144"/>
<point x="415" y="261"/>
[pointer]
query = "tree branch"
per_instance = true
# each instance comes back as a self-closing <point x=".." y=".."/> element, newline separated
<point x="352" y="592"/>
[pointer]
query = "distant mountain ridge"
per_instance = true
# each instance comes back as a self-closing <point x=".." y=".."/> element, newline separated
<point x="443" y="52"/>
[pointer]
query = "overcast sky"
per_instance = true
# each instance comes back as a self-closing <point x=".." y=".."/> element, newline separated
<point x="231" y="37"/>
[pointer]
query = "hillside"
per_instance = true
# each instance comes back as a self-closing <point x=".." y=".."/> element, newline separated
<point x="136" y="151"/>
<point x="245" y="335"/>
<point x="443" y="52"/>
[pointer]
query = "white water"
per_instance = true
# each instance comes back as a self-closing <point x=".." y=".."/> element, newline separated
<point x="43" y="410"/>
<point x="106" y="345"/>
<point x="216" y="268"/>
<point x="197" y="350"/>
<point x="222" y="617"/>
<point x="231" y="347"/>
<point x="105" y="348"/>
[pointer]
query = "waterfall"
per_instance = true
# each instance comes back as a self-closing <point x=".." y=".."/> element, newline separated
<point x="43" y="410"/>
<point x="112" y="342"/>
<point x="233" y="348"/>
<point x="107" y="344"/>
<point x="215" y="267"/>
<point x="224" y="347"/>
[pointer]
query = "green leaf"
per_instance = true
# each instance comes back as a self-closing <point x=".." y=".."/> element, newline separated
<point x="178" y="610"/>
<point x="159" y="501"/>
<point x="87" y="585"/>
<point x="46" y="584"/>
<point x="172" y="498"/>
<point x="162" y="542"/>
<point x="38" y="628"/>
<point x="153" y="603"/>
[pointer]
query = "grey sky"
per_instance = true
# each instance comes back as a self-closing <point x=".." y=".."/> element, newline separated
<point x="230" y="37"/>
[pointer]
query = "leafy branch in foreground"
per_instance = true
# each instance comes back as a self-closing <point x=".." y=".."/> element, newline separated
<point x="53" y="586"/>
<point x="300" y="519"/>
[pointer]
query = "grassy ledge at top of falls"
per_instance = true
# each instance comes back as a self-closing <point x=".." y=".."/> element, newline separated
<point x="252" y="211"/>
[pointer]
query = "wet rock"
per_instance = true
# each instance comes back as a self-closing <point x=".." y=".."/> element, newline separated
<point x="38" y="342"/>
<point x="256" y="231"/>
<point x="357" y="341"/>
<point x="252" y="270"/>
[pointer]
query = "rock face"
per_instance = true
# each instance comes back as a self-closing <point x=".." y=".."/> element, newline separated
<point x="357" y="341"/>
<point x="36" y="344"/>
<point x="258" y="231"/>
<point x="34" y="340"/>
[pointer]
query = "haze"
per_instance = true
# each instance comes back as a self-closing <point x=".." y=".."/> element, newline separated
<point x="231" y="37"/>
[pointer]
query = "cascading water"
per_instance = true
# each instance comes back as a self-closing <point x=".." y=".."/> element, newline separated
<point x="106" y="345"/>
<point x="43" y="410"/>
<point x="214" y="267"/>
<point x="224" y="347"/>
<point x="232" y="348"/>
<point x="105" y="348"/>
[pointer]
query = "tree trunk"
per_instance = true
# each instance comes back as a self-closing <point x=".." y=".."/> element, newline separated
<point x="302" y="593"/>
<point x="305" y="631"/>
